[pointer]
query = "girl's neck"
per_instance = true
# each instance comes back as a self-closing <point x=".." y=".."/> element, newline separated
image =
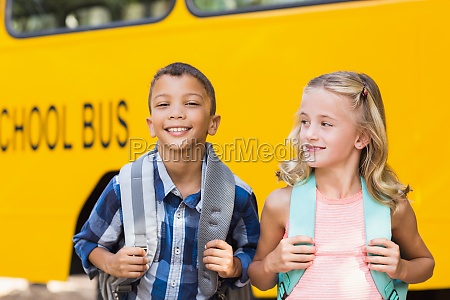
<point x="337" y="186"/>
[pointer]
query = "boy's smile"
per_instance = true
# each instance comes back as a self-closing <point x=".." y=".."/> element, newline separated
<point x="180" y="114"/>
<point x="177" y="129"/>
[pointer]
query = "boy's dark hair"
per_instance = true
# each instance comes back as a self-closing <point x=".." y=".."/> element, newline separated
<point x="178" y="69"/>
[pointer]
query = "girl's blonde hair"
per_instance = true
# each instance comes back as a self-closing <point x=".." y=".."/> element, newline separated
<point x="365" y="98"/>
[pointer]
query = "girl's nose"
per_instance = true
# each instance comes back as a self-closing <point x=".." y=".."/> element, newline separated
<point x="311" y="133"/>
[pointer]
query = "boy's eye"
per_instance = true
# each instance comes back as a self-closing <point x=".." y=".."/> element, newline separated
<point x="191" y="103"/>
<point x="162" y="104"/>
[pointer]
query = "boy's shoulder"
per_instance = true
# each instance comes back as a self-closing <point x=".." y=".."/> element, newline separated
<point x="242" y="184"/>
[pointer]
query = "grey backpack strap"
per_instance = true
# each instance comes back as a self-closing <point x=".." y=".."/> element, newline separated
<point x="138" y="204"/>
<point x="215" y="218"/>
<point x="139" y="213"/>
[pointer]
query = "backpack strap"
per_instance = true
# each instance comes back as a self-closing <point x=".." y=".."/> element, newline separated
<point x="139" y="205"/>
<point x="377" y="218"/>
<point x="138" y="211"/>
<point x="302" y="220"/>
<point x="215" y="218"/>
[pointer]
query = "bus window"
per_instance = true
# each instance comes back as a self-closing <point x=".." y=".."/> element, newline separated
<point x="217" y="7"/>
<point x="38" y="17"/>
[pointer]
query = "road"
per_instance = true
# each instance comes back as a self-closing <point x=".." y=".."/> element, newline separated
<point x="78" y="287"/>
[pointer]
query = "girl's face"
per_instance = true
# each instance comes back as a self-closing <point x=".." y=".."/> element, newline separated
<point x="329" y="130"/>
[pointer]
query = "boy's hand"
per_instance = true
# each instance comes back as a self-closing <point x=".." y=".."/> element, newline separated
<point x="129" y="262"/>
<point x="218" y="256"/>
<point x="294" y="253"/>
<point x="385" y="257"/>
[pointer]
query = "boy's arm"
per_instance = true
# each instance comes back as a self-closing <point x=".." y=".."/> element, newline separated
<point x="219" y="255"/>
<point x="129" y="262"/>
<point x="246" y="234"/>
<point x="103" y="228"/>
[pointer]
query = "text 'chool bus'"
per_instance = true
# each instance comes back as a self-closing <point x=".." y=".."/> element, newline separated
<point x="75" y="76"/>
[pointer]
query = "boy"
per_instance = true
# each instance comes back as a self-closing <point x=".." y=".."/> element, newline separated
<point x="182" y="107"/>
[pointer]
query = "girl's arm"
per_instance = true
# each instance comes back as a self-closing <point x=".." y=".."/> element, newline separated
<point x="406" y="257"/>
<point x="275" y="254"/>
<point x="417" y="263"/>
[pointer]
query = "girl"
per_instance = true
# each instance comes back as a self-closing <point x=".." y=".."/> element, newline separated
<point x="341" y="127"/>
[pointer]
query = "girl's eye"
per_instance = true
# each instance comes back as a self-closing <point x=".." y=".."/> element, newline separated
<point x="305" y="122"/>
<point x="325" y="124"/>
<point x="162" y="104"/>
<point x="191" y="103"/>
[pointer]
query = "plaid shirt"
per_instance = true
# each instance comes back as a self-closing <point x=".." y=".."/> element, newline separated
<point x="173" y="274"/>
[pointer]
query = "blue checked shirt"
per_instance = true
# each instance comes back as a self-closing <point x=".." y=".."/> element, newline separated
<point x="173" y="274"/>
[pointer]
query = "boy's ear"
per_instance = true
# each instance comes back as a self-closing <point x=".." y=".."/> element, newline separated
<point x="214" y="122"/>
<point x="150" y="126"/>
<point x="362" y="140"/>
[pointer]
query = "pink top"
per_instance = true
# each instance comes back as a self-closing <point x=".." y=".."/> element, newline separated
<point x="338" y="271"/>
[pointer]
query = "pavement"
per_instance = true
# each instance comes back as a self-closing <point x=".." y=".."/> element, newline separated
<point x="77" y="287"/>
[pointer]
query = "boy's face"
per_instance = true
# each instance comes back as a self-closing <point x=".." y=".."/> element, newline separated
<point x="180" y="110"/>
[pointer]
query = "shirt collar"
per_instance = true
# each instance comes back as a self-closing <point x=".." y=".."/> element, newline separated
<point x="164" y="184"/>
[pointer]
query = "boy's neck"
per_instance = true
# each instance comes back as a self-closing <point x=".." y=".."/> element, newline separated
<point x="184" y="168"/>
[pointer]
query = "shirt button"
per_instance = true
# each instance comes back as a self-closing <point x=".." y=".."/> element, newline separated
<point x="174" y="283"/>
<point x="178" y="215"/>
<point x="177" y="250"/>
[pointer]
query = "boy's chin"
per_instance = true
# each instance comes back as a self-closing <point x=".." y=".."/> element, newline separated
<point x="188" y="148"/>
<point x="184" y="145"/>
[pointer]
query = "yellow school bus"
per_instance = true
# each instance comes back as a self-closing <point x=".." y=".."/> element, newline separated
<point x="74" y="83"/>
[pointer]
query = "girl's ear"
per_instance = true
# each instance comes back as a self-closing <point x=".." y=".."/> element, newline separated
<point x="362" y="140"/>
<point x="214" y="122"/>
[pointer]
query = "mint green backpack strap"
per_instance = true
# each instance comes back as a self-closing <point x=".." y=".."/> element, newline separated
<point x="377" y="218"/>
<point x="302" y="220"/>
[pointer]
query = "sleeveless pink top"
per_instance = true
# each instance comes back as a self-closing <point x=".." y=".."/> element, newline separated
<point x="338" y="271"/>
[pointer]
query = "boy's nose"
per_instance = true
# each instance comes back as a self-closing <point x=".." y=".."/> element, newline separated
<point x="177" y="113"/>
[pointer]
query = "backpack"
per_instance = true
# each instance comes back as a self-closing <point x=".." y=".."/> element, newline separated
<point x="140" y="222"/>
<point x="377" y="219"/>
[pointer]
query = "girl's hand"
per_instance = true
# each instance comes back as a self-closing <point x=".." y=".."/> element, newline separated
<point x="218" y="256"/>
<point x="294" y="253"/>
<point x="129" y="262"/>
<point x="383" y="255"/>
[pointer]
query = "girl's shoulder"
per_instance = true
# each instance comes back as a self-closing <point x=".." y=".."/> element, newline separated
<point x="403" y="212"/>
<point x="281" y="194"/>
<point x="278" y="202"/>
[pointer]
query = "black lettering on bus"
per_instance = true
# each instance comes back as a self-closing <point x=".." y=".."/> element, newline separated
<point x="122" y="143"/>
<point x="51" y="110"/>
<point x="4" y="146"/>
<point x="18" y="128"/>
<point x="88" y="125"/>
<point x="106" y="143"/>
<point x="35" y="111"/>
<point x="67" y="145"/>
